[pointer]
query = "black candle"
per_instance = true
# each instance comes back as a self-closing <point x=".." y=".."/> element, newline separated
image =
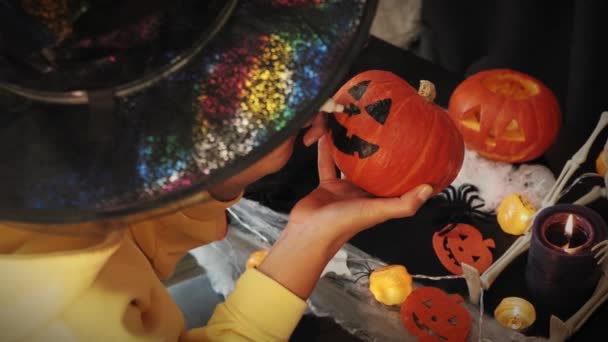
<point x="561" y="272"/>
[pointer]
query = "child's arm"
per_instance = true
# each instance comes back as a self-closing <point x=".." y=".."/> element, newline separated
<point x="268" y="303"/>
<point x="324" y="220"/>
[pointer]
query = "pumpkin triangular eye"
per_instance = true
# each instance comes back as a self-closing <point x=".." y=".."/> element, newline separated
<point x="462" y="237"/>
<point x="453" y="321"/>
<point x="379" y="110"/>
<point x="514" y="132"/>
<point x="472" y="118"/>
<point x="428" y="303"/>
<point x="358" y="90"/>
<point x="351" y="109"/>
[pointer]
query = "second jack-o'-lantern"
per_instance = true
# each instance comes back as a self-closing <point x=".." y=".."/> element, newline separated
<point x="505" y="115"/>
<point x="601" y="163"/>
<point x="390" y="139"/>
<point x="431" y="315"/>
<point x="462" y="243"/>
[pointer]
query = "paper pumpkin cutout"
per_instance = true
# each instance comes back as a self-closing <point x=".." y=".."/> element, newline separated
<point x="389" y="138"/>
<point x="462" y="243"/>
<point x="505" y="115"/>
<point x="431" y="315"/>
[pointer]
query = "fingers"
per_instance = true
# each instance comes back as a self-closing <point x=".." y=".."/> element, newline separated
<point x="316" y="131"/>
<point x="325" y="162"/>
<point x="317" y="124"/>
<point x="373" y="211"/>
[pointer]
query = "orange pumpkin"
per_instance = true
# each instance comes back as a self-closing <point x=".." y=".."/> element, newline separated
<point x="505" y="115"/>
<point x="390" y="139"/>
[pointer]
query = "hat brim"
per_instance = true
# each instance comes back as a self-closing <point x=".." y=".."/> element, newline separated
<point x="261" y="78"/>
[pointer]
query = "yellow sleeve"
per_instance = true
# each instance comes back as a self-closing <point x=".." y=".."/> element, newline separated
<point x="166" y="239"/>
<point x="259" y="309"/>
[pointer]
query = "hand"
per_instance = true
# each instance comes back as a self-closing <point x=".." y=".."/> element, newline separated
<point x="324" y="220"/>
<point x="274" y="161"/>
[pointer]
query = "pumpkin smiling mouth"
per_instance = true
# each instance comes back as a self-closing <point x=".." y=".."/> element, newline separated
<point x="425" y="328"/>
<point x="346" y="144"/>
<point x="451" y="255"/>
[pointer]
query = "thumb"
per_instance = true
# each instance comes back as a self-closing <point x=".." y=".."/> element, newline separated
<point x="373" y="211"/>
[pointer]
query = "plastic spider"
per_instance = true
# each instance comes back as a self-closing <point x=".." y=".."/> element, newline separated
<point x="462" y="203"/>
<point x="367" y="270"/>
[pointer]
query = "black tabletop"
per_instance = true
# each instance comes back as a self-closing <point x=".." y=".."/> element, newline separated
<point x="409" y="241"/>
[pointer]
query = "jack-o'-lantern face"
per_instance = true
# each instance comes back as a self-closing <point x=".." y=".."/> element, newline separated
<point x="462" y="244"/>
<point x="389" y="138"/>
<point x="376" y="109"/>
<point x="431" y="315"/>
<point x="505" y="115"/>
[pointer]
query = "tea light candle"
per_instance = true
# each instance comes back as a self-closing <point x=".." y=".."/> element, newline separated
<point x="561" y="271"/>
<point x="515" y="313"/>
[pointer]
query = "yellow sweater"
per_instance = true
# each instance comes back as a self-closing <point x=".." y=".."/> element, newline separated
<point x="84" y="288"/>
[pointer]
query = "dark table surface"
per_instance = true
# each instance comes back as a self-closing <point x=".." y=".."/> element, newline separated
<point x="408" y="241"/>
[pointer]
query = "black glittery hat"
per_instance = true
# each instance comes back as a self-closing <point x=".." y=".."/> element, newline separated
<point x="111" y="108"/>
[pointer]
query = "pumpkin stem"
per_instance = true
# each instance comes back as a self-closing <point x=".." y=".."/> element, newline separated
<point x="427" y="90"/>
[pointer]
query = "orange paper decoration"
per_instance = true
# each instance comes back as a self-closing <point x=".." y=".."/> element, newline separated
<point x="431" y="315"/>
<point x="463" y="244"/>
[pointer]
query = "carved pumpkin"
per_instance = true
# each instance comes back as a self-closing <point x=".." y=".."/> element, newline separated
<point x="431" y="315"/>
<point x="390" y="139"/>
<point x="462" y="244"/>
<point x="505" y="115"/>
<point x="601" y="163"/>
<point x="514" y="214"/>
<point x="390" y="284"/>
<point x="256" y="258"/>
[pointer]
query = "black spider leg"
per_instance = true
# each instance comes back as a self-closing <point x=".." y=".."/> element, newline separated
<point x="449" y="193"/>
<point x="361" y="276"/>
<point x="474" y="198"/>
<point x="465" y="190"/>
<point x="365" y="273"/>
<point x="367" y="270"/>
<point x="475" y="209"/>
<point x="447" y="229"/>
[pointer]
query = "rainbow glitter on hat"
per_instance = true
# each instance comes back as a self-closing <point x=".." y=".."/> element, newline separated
<point x="103" y="119"/>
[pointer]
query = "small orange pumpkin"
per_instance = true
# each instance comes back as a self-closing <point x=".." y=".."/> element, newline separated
<point x="390" y="139"/>
<point x="390" y="284"/>
<point x="505" y="115"/>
